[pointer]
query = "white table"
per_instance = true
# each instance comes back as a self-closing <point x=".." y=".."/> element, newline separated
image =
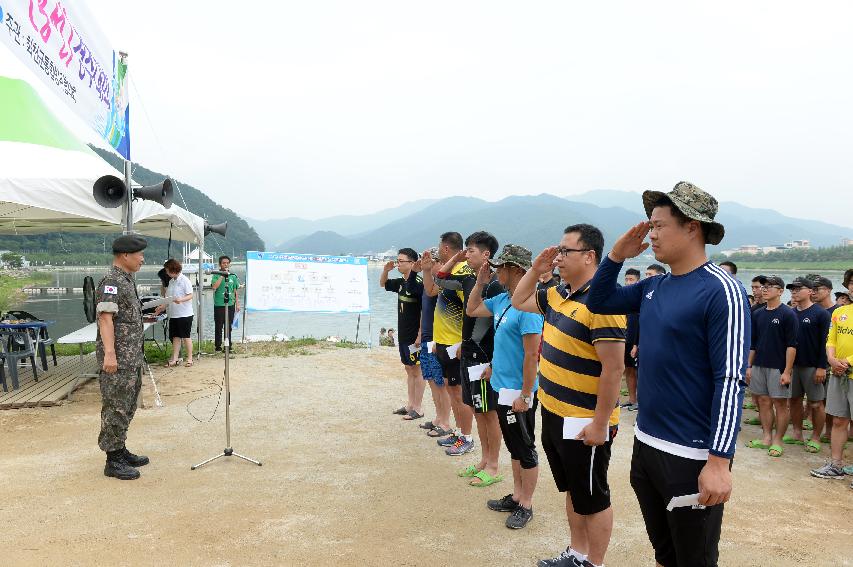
<point x="88" y="334"/>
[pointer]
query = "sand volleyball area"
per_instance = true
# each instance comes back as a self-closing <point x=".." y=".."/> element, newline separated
<point x="343" y="482"/>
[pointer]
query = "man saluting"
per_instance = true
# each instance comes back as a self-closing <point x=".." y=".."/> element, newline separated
<point x="119" y="353"/>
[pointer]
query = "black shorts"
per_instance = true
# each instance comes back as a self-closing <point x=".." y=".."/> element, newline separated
<point x="630" y="361"/>
<point x="685" y="536"/>
<point x="518" y="430"/>
<point x="449" y="366"/>
<point x="479" y="394"/>
<point x="180" y="327"/>
<point x="406" y="357"/>
<point x="578" y="469"/>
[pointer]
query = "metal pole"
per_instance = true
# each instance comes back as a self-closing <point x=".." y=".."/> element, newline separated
<point x="200" y="294"/>
<point x="128" y="166"/>
<point x="357" y="325"/>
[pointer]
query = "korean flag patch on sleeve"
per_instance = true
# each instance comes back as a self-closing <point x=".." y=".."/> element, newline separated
<point x="110" y="290"/>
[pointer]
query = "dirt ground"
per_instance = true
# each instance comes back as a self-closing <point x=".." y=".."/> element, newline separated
<point x="343" y="482"/>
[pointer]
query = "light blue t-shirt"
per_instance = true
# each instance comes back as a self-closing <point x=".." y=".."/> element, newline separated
<point x="510" y="327"/>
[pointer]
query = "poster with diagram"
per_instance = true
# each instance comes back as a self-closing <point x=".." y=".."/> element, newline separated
<point x="306" y="283"/>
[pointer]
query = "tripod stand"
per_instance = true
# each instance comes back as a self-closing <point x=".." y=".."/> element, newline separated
<point x="228" y="451"/>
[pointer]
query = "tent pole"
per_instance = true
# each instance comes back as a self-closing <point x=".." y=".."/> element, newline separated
<point x="200" y="293"/>
<point x="128" y="207"/>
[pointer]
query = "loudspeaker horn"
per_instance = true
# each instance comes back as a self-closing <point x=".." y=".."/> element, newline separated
<point x="109" y="191"/>
<point x="220" y="228"/>
<point x="161" y="193"/>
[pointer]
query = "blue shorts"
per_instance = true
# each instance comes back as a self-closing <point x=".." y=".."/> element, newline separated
<point x="430" y="367"/>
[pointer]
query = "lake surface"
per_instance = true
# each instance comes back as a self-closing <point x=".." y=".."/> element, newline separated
<point x="67" y="309"/>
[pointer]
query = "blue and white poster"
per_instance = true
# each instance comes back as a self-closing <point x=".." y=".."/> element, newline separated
<point x="306" y="283"/>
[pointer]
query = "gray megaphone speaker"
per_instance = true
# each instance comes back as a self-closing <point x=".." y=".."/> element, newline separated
<point x="220" y="228"/>
<point x="161" y="193"/>
<point x="109" y="191"/>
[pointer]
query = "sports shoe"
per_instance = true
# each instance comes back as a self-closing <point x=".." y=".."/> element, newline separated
<point x="134" y="460"/>
<point x="565" y="559"/>
<point x="119" y="469"/>
<point x="449" y="440"/>
<point x="632" y="407"/>
<point x="519" y="518"/>
<point x="461" y="447"/>
<point x="505" y="504"/>
<point x="829" y="470"/>
<point x="848" y="469"/>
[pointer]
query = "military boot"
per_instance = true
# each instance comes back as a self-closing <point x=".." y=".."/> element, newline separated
<point x="118" y="468"/>
<point x="134" y="460"/>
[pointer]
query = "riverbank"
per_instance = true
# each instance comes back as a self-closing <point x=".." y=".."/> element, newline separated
<point x="343" y="481"/>
<point x="13" y="281"/>
<point x="805" y="267"/>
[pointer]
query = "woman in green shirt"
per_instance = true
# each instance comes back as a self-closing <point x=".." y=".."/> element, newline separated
<point x="232" y="283"/>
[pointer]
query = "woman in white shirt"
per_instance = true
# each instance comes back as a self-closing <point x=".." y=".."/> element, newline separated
<point x="180" y="312"/>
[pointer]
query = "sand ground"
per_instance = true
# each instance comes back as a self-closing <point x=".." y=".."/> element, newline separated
<point x="343" y="482"/>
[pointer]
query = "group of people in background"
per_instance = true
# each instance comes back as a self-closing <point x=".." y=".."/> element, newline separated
<point x="496" y="335"/>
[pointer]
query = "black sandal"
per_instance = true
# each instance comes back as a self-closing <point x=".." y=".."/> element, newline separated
<point x="401" y="411"/>
<point x="412" y="415"/>
<point x="439" y="432"/>
<point x="428" y="426"/>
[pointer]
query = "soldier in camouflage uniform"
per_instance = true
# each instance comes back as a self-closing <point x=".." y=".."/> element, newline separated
<point x="119" y="353"/>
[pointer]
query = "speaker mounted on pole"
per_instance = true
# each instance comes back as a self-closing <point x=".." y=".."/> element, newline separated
<point x="159" y="193"/>
<point x="109" y="191"/>
<point x="220" y="228"/>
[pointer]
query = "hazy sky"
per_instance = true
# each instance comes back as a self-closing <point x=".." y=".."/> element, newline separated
<point x="315" y="108"/>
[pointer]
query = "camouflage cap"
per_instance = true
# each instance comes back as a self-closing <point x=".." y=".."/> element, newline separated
<point x="695" y="203"/>
<point x="513" y="254"/>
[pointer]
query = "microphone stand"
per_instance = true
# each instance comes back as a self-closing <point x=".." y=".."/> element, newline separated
<point x="228" y="451"/>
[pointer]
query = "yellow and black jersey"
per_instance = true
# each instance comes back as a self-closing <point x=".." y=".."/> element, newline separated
<point x="569" y="369"/>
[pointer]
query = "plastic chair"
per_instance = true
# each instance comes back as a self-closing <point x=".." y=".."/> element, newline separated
<point x="43" y="338"/>
<point x="18" y="345"/>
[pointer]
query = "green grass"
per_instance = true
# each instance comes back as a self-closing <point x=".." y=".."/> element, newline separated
<point x="10" y="287"/>
<point x="153" y="354"/>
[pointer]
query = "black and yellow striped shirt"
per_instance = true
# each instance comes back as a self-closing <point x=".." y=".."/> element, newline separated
<point x="569" y="369"/>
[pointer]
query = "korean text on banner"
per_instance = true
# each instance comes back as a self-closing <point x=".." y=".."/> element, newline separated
<point x="306" y="282"/>
<point x="62" y="45"/>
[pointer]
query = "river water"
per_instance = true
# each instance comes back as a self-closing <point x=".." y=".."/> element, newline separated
<point x="67" y="309"/>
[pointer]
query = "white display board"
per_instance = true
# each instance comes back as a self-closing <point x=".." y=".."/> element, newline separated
<point x="306" y="282"/>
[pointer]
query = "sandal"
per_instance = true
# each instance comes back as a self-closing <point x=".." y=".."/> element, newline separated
<point x="468" y="472"/>
<point x="752" y="421"/>
<point x="412" y="415"/>
<point x="807" y="425"/>
<point x="188" y="364"/>
<point x="401" y="411"/>
<point x="172" y="364"/>
<point x="788" y="440"/>
<point x="775" y="451"/>
<point x="812" y="446"/>
<point x="757" y="444"/>
<point x="438" y="431"/>
<point x="485" y="479"/>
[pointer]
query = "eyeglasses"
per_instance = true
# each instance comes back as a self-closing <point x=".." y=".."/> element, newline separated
<point x="566" y="251"/>
<point x="766" y="287"/>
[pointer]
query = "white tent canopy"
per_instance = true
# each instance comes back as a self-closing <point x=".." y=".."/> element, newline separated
<point x="193" y="256"/>
<point x="47" y="176"/>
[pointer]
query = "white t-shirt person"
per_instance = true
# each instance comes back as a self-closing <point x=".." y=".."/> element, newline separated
<point x="179" y="287"/>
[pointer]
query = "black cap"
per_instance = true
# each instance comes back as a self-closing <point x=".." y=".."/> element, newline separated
<point x="128" y="244"/>
<point x="841" y="294"/>
<point x="771" y="280"/>
<point x="819" y="281"/>
<point x="800" y="281"/>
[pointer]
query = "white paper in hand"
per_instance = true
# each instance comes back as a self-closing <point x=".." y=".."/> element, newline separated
<point x="691" y="500"/>
<point x="413" y="349"/>
<point x="431" y="346"/>
<point x="476" y="372"/>
<point x="572" y="426"/>
<point x="452" y="349"/>
<point x="507" y="395"/>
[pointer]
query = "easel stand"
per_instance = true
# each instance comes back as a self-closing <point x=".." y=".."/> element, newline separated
<point x="228" y="451"/>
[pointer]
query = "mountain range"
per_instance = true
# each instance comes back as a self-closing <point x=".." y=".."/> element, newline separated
<point x="534" y="221"/>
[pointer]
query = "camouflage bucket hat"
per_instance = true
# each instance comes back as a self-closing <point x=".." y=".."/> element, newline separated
<point x="513" y="254"/>
<point x="695" y="203"/>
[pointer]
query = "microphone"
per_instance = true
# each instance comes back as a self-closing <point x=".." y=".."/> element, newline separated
<point x="219" y="273"/>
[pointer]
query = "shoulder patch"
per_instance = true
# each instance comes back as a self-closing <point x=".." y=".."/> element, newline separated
<point x="109" y="290"/>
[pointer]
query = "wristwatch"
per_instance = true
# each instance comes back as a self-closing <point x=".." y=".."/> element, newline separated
<point x="527" y="399"/>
